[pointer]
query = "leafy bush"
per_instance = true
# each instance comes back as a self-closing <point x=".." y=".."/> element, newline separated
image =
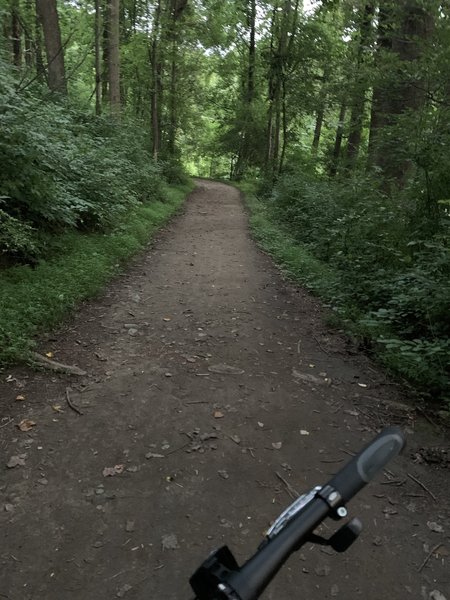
<point x="390" y="279"/>
<point x="63" y="169"/>
<point x="33" y="299"/>
<point x="17" y="239"/>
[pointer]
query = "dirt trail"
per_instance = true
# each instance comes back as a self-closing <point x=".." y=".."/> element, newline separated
<point x="199" y="441"/>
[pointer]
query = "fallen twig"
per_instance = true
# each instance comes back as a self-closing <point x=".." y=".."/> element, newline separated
<point x="71" y="404"/>
<point x="7" y="423"/>
<point x="43" y="361"/>
<point x="347" y="452"/>
<point x="397" y="482"/>
<point x="429" y="419"/>
<point x="429" y="556"/>
<point x="320" y="346"/>
<point x="177" y="449"/>
<point x="197" y="402"/>
<point x="292" y="491"/>
<point x="422" y="485"/>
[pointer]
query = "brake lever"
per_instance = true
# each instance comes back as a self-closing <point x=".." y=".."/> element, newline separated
<point x="291" y="511"/>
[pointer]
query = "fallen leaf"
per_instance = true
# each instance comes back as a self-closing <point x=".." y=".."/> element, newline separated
<point x="20" y="398"/>
<point x="167" y="319"/>
<point x="49" y="354"/>
<point x="169" y="541"/>
<point x="57" y="408"/>
<point x="363" y="385"/>
<point x="153" y="455"/>
<point x="304" y="432"/>
<point x="260" y="424"/>
<point x="129" y="526"/>
<point x="223" y="369"/>
<point x="26" y="424"/>
<point x="218" y="414"/>
<point x="236" y="439"/>
<point x="123" y="590"/>
<point x="334" y="591"/>
<point x="111" y="471"/>
<point x="223" y="473"/>
<point x="437" y="595"/>
<point x="432" y="526"/>
<point x="307" y="377"/>
<point x="16" y="461"/>
<point x="277" y="445"/>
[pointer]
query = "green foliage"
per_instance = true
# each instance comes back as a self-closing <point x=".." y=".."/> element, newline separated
<point x="351" y="245"/>
<point x="33" y="299"/>
<point x="17" y="239"/>
<point x="61" y="169"/>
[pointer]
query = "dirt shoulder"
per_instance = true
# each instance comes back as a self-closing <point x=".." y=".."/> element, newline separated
<point x="210" y="380"/>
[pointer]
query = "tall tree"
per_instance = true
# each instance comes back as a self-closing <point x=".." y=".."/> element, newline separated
<point x="105" y="50"/>
<point x="114" y="56"/>
<point x="56" y="73"/>
<point x="404" y="28"/>
<point x="245" y="117"/>
<point x="155" y="81"/>
<point x="16" y="33"/>
<point x="98" y="58"/>
<point x="338" y="139"/>
<point x="358" y="96"/>
<point x="284" y="25"/>
<point x="176" y="9"/>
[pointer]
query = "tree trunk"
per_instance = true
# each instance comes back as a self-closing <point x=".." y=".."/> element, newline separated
<point x="105" y="52"/>
<point x="338" y="140"/>
<point x="271" y="91"/>
<point x="48" y="15"/>
<point x="28" y="31"/>
<point x="173" y="124"/>
<point x="318" y="128"/>
<point x="16" y="34"/>
<point x="285" y="127"/>
<point x="251" y="20"/>
<point x="40" y="67"/>
<point x="154" y="62"/>
<point x="114" y="57"/>
<point x="359" y="93"/>
<point x="98" y="58"/>
<point x="176" y="10"/>
<point x="248" y="96"/>
<point x="403" y="30"/>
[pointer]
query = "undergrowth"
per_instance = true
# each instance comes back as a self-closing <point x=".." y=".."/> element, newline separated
<point x="78" y="266"/>
<point x="392" y="292"/>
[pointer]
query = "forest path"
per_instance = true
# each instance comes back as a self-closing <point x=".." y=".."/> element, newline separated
<point x="208" y="374"/>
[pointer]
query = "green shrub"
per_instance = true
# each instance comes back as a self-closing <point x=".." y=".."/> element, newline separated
<point x="63" y="169"/>
<point x="17" y="239"/>
<point x="387" y="280"/>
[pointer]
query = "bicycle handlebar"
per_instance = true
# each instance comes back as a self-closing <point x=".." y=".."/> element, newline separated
<point x="367" y="463"/>
<point x="220" y="578"/>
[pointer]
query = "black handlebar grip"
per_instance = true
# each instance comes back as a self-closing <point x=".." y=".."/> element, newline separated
<point x="366" y="464"/>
